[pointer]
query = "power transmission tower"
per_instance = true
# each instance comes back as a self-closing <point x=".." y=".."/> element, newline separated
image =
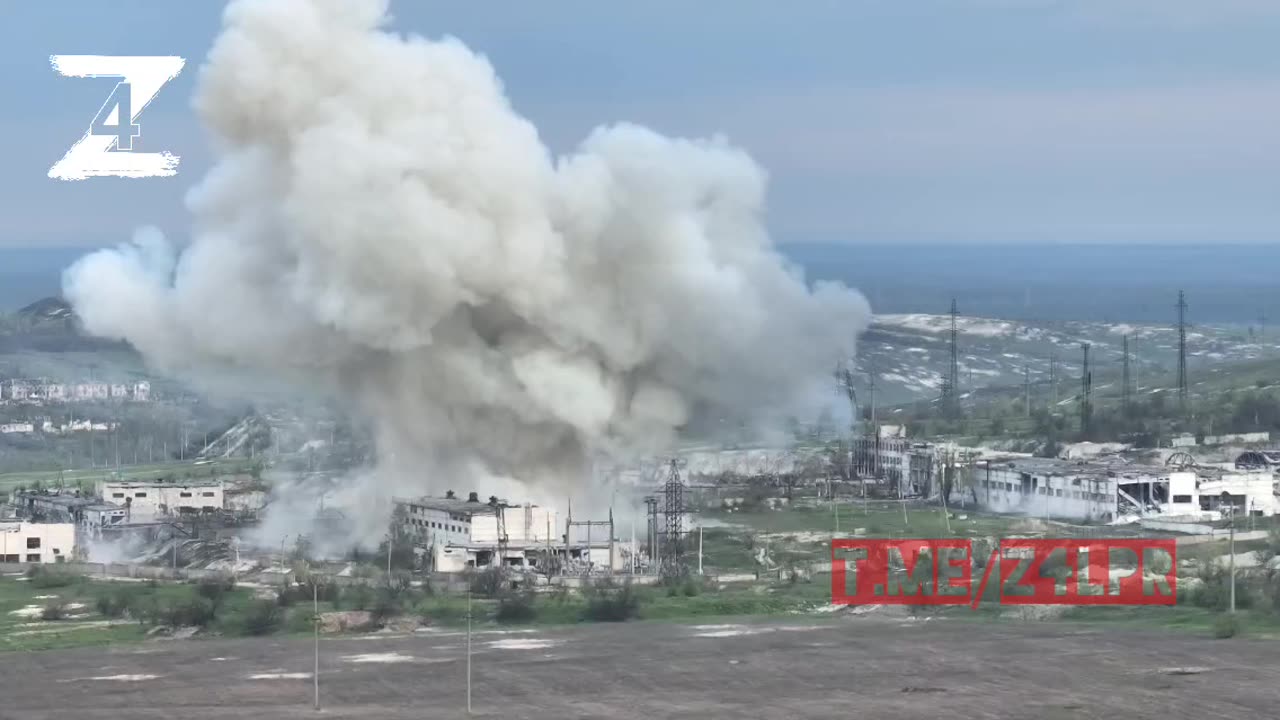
<point x="673" y="510"/>
<point x="1053" y="378"/>
<point x="1125" y="379"/>
<point x="845" y="386"/>
<point x="1026" y="389"/>
<point x="1182" y="352"/>
<point x="951" y="386"/>
<point x="871" y="398"/>
<point x="1086" y="391"/>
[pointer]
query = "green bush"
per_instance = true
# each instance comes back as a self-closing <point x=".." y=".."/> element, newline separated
<point x="215" y="589"/>
<point x="487" y="583"/>
<point x="608" y="602"/>
<point x="44" y="578"/>
<point x="684" y="586"/>
<point x="262" y="617"/>
<point x="54" y="610"/>
<point x="359" y="597"/>
<point x="1226" y="625"/>
<point x="442" y="609"/>
<point x="116" y="603"/>
<point x="182" y="612"/>
<point x="387" y="603"/>
<point x="516" y="607"/>
<point x="1214" y="591"/>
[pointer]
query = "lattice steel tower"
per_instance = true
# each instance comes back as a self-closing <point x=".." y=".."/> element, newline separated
<point x="1125" y="380"/>
<point x="1182" y="351"/>
<point x="951" y="385"/>
<point x="673" y="510"/>
<point x="1086" y="392"/>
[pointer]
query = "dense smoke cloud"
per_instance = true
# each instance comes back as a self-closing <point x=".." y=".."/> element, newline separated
<point x="382" y="226"/>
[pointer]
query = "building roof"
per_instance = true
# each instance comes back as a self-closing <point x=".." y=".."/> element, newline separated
<point x="162" y="483"/>
<point x="451" y="505"/>
<point x="1098" y="467"/>
<point x="66" y="501"/>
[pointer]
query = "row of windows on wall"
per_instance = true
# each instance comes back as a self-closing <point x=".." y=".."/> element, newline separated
<point x="181" y="494"/>
<point x="436" y="525"/>
<point x="1073" y="494"/>
<point x="31" y="557"/>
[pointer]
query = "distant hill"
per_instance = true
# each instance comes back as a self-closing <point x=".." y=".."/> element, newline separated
<point x="49" y="325"/>
<point x="50" y="309"/>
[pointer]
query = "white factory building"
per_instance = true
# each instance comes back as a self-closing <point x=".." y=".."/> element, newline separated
<point x="1101" y="491"/>
<point x="144" y="501"/>
<point x="458" y="534"/>
<point x="27" y="542"/>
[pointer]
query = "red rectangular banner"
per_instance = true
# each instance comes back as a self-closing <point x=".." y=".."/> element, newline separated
<point x="1031" y="572"/>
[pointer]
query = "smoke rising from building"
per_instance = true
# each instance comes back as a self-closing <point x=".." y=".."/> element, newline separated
<point x="381" y="226"/>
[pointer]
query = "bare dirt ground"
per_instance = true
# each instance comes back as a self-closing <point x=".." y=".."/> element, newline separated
<point x="863" y="668"/>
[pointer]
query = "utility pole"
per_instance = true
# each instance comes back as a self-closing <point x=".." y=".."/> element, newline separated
<point x="1086" y="390"/>
<point x="1053" y="378"/>
<point x="469" y="640"/>
<point x="1182" y="352"/>
<point x="871" y="397"/>
<point x="1137" y="371"/>
<point x="1125" y="398"/>
<point x="1026" y="389"/>
<point x="1231" y="550"/>
<point x="315" y="604"/>
<point x="699" y="549"/>
<point x="951" y="387"/>
<point x="844" y="382"/>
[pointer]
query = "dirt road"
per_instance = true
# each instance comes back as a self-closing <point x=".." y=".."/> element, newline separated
<point x="863" y="668"/>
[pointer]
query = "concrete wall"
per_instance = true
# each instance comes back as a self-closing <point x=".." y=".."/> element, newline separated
<point x="1244" y="438"/>
<point x="150" y="500"/>
<point x="53" y="542"/>
<point x="1258" y="487"/>
<point x="1072" y="497"/>
<point x="431" y="526"/>
<point x="526" y="524"/>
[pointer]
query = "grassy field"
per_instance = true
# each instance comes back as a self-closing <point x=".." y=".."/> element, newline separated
<point x="875" y="519"/>
<point x="52" y="478"/>
<point x="93" y="612"/>
<point x="21" y="626"/>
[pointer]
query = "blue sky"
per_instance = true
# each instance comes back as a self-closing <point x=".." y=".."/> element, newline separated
<point x="879" y="121"/>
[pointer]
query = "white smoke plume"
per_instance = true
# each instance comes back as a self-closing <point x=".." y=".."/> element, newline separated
<point x="381" y="226"/>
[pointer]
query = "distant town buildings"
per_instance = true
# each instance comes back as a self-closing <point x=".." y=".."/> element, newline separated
<point x="28" y="391"/>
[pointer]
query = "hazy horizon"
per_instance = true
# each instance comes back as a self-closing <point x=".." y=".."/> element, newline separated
<point x="1226" y="283"/>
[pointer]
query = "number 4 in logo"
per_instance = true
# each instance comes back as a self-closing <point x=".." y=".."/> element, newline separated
<point x="115" y="119"/>
<point x="106" y="149"/>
